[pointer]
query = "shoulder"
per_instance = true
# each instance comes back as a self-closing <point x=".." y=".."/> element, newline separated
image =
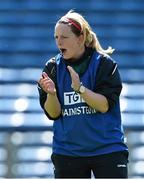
<point x="106" y="60"/>
<point x="107" y="63"/>
<point x="107" y="67"/>
<point x="52" y="60"/>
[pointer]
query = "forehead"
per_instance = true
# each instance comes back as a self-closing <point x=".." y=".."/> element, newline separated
<point x="63" y="28"/>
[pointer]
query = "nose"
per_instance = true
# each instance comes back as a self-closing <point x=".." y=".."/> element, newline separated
<point x="59" y="41"/>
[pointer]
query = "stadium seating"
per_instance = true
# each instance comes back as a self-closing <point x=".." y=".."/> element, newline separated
<point x="27" y="42"/>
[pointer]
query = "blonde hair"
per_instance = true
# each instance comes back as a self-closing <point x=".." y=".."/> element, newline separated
<point x="90" y="38"/>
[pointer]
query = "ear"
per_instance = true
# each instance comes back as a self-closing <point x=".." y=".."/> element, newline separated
<point x="81" y="39"/>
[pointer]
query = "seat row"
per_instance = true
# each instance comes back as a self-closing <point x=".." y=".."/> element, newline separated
<point x="47" y="31"/>
<point x="29" y="75"/>
<point x="52" y="5"/>
<point x="42" y="17"/>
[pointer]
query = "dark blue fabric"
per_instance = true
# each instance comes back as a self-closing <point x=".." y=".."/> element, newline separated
<point x="81" y="131"/>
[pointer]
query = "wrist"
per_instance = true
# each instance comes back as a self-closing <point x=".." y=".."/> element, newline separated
<point x="53" y="93"/>
<point x="81" y="89"/>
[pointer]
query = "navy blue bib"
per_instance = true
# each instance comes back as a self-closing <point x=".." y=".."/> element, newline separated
<point x="81" y="130"/>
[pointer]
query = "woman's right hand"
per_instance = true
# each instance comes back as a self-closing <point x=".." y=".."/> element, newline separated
<point x="47" y="84"/>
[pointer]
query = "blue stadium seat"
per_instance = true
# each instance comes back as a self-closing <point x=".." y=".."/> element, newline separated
<point x="25" y="74"/>
<point x="18" y="90"/>
<point x="132" y="75"/>
<point x="23" y="119"/>
<point x="134" y="120"/>
<point x="133" y="91"/>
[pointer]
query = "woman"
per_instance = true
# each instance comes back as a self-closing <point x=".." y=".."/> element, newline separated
<point x="83" y="101"/>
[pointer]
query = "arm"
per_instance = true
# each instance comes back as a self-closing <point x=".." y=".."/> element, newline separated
<point x="108" y="81"/>
<point x="94" y="100"/>
<point x="48" y="97"/>
<point x="108" y="86"/>
<point x="52" y="106"/>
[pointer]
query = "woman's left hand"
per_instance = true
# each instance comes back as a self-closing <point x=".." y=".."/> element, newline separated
<point x="75" y="78"/>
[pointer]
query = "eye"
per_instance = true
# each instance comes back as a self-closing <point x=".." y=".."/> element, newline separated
<point x="55" y="37"/>
<point x="61" y="37"/>
<point x="64" y="37"/>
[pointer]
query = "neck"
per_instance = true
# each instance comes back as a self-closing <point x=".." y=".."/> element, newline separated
<point x="86" y="54"/>
<point x="79" y="55"/>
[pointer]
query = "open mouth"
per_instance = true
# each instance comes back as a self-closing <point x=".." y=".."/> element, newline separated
<point x="63" y="51"/>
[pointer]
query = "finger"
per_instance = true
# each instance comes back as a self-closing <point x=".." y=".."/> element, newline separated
<point x="71" y="70"/>
<point x="44" y="75"/>
<point x="40" y="80"/>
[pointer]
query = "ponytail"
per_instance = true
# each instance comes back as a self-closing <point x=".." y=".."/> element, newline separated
<point x="95" y="44"/>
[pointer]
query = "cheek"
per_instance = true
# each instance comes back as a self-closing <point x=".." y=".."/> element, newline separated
<point x="74" y="48"/>
<point x="75" y="44"/>
<point x="56" y="42"/>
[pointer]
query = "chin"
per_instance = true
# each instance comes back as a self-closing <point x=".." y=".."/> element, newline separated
<point x="66" y="57"/>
